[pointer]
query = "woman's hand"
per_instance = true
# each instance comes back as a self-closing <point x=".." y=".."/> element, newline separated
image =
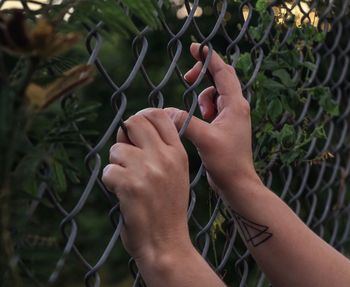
<point x="148" y="172"/>
<point x="225" y="144"/>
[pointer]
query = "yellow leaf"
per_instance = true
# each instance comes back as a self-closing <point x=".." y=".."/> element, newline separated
<point x="42" y="33"/>
<point x="71" y="80"/>
<point x="41" y="39"/>
<point x="217" y="226"/>
<point x="46" y="42"/>
<point x="36" y="95"/>
<point x="41" y="97"/>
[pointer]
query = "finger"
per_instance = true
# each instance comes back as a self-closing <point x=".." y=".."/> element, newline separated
<point x="112" y="177"/>
<point x="122" y="137"/>
<point x="225" y="78"/>
<point x="142" y="133"/>
<point x="196" y="130"/>
<point x="163" y="124"/>
<point x="192" y="75"/>
<point x="124" y="154"/>
<point x="207" y="103"/>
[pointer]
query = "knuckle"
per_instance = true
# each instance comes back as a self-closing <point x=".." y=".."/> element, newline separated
<point x="114" y="148"/>
<point x="156" y="113"/>
<point x="179" y="153"/>
<point x="153" y="171"/>
<point x="172" y="157"/>
<point x="171" y="110"/>
<point x="107" y="171"/>
<point x="135" y="120"/>
<point x="151" y="113"/>
<point x="135" y="187"/>
<point x="175" y="157"/>
<point x="168" y="161"/>
<point x="144" y="111"/>
<point x="107" y="176"/>
<point x="183" y="155"/>
<point x="231" y="69"/>
<point x="114" y="152"/>
<point x="114" y="180"/>
<point x="176" y="115"/>
<point x="245" y="107"/>
<point x="220" y="103"/>
<point x="112" y="156"/>
<point x="182" y="116"/>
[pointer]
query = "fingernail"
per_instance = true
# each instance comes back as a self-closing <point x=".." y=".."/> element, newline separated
<point x="198" y="65"/>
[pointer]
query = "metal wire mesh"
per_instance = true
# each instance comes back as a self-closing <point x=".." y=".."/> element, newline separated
<point x="317" y="193"/>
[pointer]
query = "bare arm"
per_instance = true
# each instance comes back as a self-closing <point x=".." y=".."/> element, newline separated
<point x="149" y="174"/>
<point x="287" y="251"/>
<point x="179" y="268"/>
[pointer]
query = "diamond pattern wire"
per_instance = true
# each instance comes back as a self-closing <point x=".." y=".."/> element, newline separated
<point x="317" y="193"/>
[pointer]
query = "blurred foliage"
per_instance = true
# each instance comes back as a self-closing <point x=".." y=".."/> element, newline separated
<point x="41" y="66"/>
<point x="279" y="94"/>
<point x="45" y="112"/>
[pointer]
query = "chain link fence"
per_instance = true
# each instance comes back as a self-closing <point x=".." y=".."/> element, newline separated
<point x="316" y="190"/>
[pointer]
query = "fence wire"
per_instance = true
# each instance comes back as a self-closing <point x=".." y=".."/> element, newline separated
<point x="317" y="193"/>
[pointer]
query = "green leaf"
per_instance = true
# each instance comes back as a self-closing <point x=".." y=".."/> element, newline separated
<point x="109" y="12"/>
<point x="319" y="132"/>
<point x="272" y="85"/>
<point x="275" y="109"/>
<point x="73" y="177"/>
<point x="286" y="136"/>
<point x="59" y="177"/>
<point x="261" y="5"/>
<point x="244" y="64"/>
<point x="25" y="173"/>
<point x="31" y="187"/>
<point x="311" y="66"/>
<point x="265" y="130"/>
<point x="291" y="156"/>
<point x="271" y="65"/>
<point x="327" y="103"/>
<point x="146" y="11"/>
<point x="284" y="76"/>
<point x="323" y="96"/>
<point x="286" y="104"/>
<point x="290" y="58"/>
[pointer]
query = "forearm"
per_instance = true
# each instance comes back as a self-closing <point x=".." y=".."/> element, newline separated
<point x="178" y="268"/>
<point x="288" y="252"/>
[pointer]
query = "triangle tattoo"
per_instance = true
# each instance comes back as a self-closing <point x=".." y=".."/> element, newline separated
<point x="252" y="232"/>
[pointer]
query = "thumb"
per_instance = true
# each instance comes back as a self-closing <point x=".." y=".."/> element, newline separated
<point x="197" y="129"/>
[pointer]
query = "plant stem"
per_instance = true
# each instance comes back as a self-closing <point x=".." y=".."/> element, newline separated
<point x="7" y="245"/>
<point x="6" y="189"/>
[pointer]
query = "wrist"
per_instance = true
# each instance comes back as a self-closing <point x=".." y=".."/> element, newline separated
<point x="242" y="186"/>
<point x="246" y="178"/>
<point x="163" y="261"/>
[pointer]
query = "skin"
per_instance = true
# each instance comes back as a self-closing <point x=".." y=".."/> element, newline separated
<point x="148" y="172"/>
<point x="154" y="203"/>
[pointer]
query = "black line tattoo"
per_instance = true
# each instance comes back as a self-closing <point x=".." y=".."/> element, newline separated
<point x="253" y="233"/>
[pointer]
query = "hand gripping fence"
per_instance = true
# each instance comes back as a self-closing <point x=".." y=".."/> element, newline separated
<point x="322" y="203"/>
